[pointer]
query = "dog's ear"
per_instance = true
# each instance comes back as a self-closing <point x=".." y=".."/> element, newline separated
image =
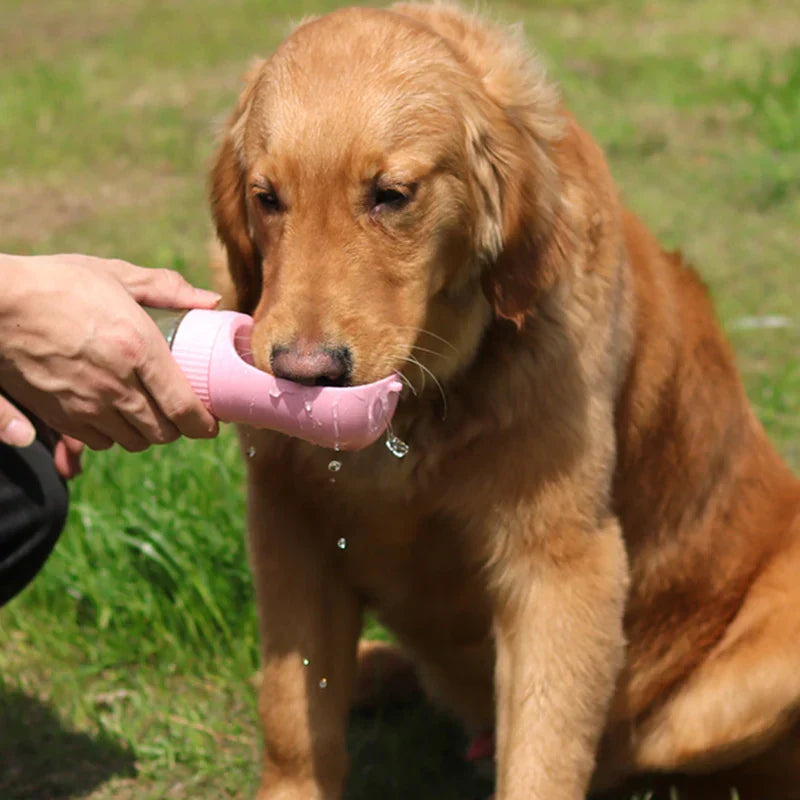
<point x="228" y="202"/>
<point x="524" y="230"/>
<point x="514" y="127"/>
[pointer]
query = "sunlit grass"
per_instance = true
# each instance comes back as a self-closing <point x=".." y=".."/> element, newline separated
<point x="126" y="669"/>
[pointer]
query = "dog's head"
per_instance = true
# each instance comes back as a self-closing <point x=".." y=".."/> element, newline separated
<point x="384" y="188"/>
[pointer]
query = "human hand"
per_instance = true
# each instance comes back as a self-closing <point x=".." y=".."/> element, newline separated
<point x="67" y="457"/>
<point x="18" y="431"/>
<point x="15" y="428"/>
<point x="78" y="351"/>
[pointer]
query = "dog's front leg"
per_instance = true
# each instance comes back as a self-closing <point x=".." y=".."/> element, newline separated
<point x="558" y="629"/>
<point x="310" y="622"/>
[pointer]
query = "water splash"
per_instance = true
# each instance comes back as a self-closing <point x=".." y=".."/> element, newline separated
<point x="342" y="543"/>
<point x="396" y="446"/>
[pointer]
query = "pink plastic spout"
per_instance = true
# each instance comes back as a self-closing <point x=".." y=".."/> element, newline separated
<point x="212" y="349"/>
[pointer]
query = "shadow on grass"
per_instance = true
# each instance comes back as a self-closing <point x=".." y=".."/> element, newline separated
<point x="406" y="751"/>
<point x="40" y="758"/>
<point x="410" y="750"/>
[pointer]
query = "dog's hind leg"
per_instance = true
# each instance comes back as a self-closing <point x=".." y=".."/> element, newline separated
<point x="745" y="697"/>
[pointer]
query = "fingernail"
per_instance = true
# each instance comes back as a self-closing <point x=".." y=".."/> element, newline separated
<point x="18" y="433"/>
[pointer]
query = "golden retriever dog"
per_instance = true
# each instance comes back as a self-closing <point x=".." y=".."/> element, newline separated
<point x="590" y="548"/>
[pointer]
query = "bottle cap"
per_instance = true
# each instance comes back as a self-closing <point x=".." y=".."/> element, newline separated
<point x="195" y="341"/>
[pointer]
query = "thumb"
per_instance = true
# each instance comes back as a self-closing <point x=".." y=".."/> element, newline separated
<point x="15" y="428"/>
<point x="165" y="288"/>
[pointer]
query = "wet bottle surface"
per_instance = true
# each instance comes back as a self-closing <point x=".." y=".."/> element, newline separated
<point x="167" y="320"/>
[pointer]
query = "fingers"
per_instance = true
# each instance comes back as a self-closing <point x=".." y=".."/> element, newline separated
<point x="15" y="428"/>
<point x="142" y="396"/>
<point x="93" y="438"/>
<point x="105" y="374"/>
<point x="164" y="288"/>
<point x="144" y="414"/>
<point x="67" y="457"/>
<point x="160" y="288"/>
<point x="171" y="392"/>
<point x="73" y="446"/>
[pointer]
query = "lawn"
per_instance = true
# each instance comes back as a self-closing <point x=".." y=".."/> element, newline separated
<point x="127" y="669"/>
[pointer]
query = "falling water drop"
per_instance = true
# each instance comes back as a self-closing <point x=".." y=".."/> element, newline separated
<point x="306" y="662"/>
<point x="251" y="451"/>
<point x="342" y="543"/>
<point x="396" y="446"/>
<point x="323" y="683"/>
<point x="335" y="466"/>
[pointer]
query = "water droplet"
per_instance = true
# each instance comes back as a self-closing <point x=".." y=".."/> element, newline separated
<point x="323" y="683"/>
<point x="251" y="451"/>
<point x="396" y="446"/>
<point x="307" y="406"/>
<point x="306" y="662"/>
<point x="342" y="543"/>
<point x="275" y="392"/>
<point x="335" y="466"/>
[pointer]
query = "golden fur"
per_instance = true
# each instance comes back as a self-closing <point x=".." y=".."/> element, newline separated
<point x="584" y="469"/>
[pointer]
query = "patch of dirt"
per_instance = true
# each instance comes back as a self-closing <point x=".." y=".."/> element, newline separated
<point x="42" y="28"/>
<point x="32" y="210"/>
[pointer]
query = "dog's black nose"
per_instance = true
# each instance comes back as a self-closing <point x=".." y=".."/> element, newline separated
<point x="312" y="366"/>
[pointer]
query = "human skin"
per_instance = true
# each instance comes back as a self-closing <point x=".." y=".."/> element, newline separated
<point x="79" y="352"/>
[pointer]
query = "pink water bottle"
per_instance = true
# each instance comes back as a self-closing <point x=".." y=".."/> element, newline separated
<point x="212" y="348"/>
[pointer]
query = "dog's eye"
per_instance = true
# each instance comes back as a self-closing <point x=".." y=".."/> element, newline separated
<point x="268" y="201"/>
<point x="392" y="198"/>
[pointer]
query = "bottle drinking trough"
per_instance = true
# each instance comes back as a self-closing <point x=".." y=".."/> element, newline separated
<point x="213" y="350"/>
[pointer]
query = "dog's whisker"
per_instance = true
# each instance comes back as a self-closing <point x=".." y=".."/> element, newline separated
<point x="412" y="361"/>
<point x="428" y="333"/>
<point x="407" y="381"/>
<point x="425" y="370"/>
<point x="428" y="350"/>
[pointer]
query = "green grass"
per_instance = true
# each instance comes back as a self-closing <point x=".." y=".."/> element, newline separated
<point x="126" y="669"/>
